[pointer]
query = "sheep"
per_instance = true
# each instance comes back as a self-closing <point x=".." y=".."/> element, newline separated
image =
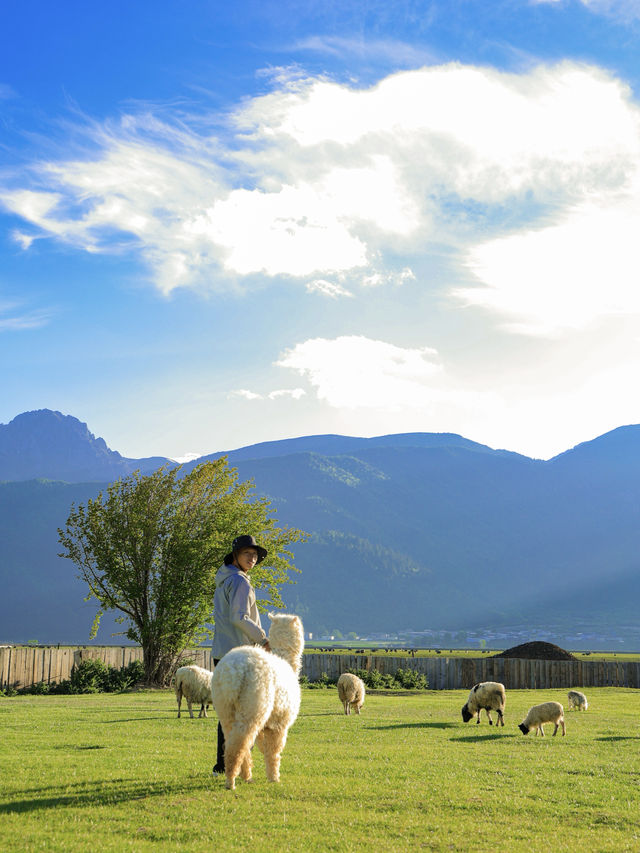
<point x="577" y="700"/>
<point x="547" y="712"/>
<point x="351" y="691"/>
<point x="194" y="683"/>
<point x="489" y="695"/>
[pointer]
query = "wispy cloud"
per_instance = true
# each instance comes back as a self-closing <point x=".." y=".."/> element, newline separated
<point x="7" y="92"/>
<point x="398" y="53"/>
<point x="13" y="318"/>
<point x="621" y="10"/>
<point x="327" y="288"/>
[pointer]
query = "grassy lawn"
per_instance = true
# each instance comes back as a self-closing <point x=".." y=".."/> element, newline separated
<point x="121" y="772"/>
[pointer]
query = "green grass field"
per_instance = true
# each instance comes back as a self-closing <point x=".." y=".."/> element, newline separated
<point x="121" y="772"/>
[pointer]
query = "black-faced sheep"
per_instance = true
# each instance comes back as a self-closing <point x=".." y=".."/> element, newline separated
<point x="538" y="715"/>
<point x="577" y="700"/>
<point x="351" y="692"/>
<point x="489" y="695"/>
<point x="194" y="683"/>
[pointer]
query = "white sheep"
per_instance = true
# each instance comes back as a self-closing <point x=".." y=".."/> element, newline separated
<point x="194" y="683"/>
<point x="538" y="715"/>
<point x="351" y="691"/>
<point x="489" y="695"/>
<point x="577" y="700"/>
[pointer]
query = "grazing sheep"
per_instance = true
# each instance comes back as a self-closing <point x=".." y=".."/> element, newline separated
<point x="194" y="683"/>
<point x="577" y="700"/>
<point x="538" y="715"/>
<point x="351" y="692"/>
<point x="256" y="695"/>
<point x="489" y="695"/>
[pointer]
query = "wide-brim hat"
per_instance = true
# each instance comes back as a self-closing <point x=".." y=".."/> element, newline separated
<point x="241" y="542"/>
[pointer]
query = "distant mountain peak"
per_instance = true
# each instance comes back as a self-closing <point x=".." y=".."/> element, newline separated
<point x="48" y="444"/>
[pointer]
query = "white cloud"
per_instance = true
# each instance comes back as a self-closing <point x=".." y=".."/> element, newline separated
<point x="341" y="188"/>
<point x="188" y="457"/>
<point x="245" y="394"/>
<point x="353" y="371"/>
<point x="291" y="393"/>
<point x="565" y="276"/>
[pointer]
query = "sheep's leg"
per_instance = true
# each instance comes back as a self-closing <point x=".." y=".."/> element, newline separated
<point x="564" y="731"/>
<point x="478" y="718"/>
<point x="541" y="729"/>
<point x="203" y="711"/>
<point x="179" y="698"/>
<point x="190" y="707"/>
<point x="357" y="707"/>
<point x="273" y="741"/>
<point x="489" y="716"/>
<point x="500" y="718"/>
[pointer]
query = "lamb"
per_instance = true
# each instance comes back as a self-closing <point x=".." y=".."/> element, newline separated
<point x="256" y="695"/>
<point x="577" y="700"/>
<point x="351" y="691"/>
<point x="489" y="695"/>
<point x="194" y="683"/>
<point x="547" y="712"/>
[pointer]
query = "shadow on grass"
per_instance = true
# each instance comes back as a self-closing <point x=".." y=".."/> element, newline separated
<point x="415" y="726"/>
<point x="481" y="738"/>
<point x="140" y="719"/>
<point x="618" y="737"/>
<point x="104" y="793"/>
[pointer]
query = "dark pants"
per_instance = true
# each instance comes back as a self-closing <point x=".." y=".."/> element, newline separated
<point x="220" y="755"/>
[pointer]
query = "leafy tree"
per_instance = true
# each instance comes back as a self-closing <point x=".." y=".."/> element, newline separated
<point x="151" y="545"/>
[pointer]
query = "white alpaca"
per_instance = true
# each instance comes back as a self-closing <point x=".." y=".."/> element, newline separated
<point x="256" y="695"/>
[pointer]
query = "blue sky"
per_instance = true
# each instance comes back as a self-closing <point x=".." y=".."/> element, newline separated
<point x="229" y="223"/>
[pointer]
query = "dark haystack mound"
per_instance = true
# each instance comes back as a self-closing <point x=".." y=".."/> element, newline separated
<point x="536" y="651"/>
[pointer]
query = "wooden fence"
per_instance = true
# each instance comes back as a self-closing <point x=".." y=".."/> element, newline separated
<point x="445" y="673"/>
<point x="22" y="666"/>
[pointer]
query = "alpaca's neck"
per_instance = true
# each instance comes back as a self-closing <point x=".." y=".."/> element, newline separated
<point x="292" y="654"/>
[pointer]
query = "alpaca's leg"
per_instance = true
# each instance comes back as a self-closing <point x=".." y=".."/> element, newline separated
<point x="237" y="744"/>
<point x="273" y="742"/>
<point x="247" y="766"/>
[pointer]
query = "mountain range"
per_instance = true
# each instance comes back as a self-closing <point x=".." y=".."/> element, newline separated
<point x="411" y="531"/>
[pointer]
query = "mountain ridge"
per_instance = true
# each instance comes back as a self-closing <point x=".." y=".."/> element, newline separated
<point x="412" y="531"/>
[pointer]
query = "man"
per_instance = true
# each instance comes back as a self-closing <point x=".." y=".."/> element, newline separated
<point x="235" y="612"/>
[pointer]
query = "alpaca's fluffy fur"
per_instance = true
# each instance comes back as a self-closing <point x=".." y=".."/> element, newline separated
<point x="194" y="683"/>
<point x="256" y="695"/>
<point x="351" y="692"/>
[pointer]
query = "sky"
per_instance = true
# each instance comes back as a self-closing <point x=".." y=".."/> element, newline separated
<point x="226" y="223"/>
